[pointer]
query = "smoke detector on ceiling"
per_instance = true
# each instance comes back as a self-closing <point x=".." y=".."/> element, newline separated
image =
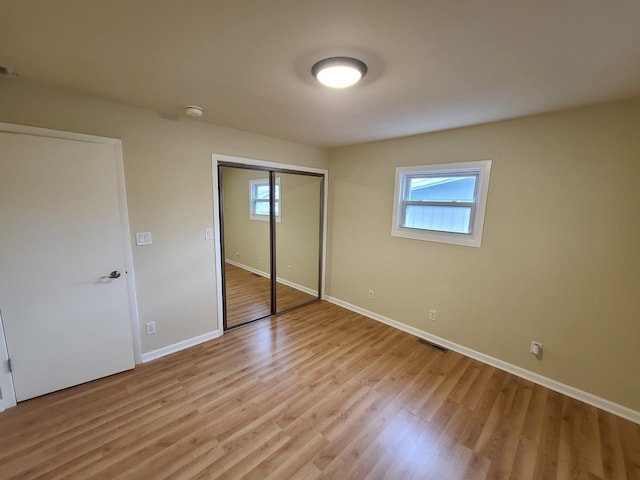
<point x="193" y="110"/>
<point x="7" y="72"/>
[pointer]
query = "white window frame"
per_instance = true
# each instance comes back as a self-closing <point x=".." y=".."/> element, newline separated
<point x="482" y="169"/>
<point x="252" y="200"/>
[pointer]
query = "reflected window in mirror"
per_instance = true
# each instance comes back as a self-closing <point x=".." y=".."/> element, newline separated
<point x="260" y="206"/>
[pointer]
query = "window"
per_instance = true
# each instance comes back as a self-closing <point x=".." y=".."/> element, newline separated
<point x="441" y="203"/>
<point x="259" y="204"/>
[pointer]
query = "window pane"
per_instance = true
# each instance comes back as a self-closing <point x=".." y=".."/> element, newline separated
<point x="445" y="219"/>
<point x="442" y="188"/>
<point x="262" y="207"/>
<point x="262" y="192"/>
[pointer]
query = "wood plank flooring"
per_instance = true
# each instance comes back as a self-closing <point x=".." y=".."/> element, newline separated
<point x="317" y="393"/>
<point x="249" y="296"/>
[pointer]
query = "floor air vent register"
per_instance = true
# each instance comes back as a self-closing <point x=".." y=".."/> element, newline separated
<point x="434" y="346"/>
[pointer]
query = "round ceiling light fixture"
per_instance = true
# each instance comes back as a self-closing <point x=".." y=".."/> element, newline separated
<point x="339" y="72"/>
<point x="193" y="110"/>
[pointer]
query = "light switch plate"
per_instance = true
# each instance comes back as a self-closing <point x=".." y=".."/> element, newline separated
<point x="208" y="233"/>
<point x="143" y="238"/>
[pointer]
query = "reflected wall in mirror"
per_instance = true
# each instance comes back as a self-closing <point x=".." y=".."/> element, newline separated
<point x="246" y="244"/>
<point x="297" y="242"/>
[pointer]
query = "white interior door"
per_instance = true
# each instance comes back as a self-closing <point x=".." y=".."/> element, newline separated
<point x="60" y="232"/>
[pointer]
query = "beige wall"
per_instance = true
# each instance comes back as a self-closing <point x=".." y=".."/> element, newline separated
<point x="246" y="241"/>
<point x="297" y="232"/>
<point x="559" y="262"/>
<point x="169" y="189"/>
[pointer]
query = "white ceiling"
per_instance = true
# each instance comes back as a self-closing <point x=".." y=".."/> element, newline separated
<point x="432" y="64"/>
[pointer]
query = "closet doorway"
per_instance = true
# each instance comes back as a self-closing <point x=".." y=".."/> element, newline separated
<point x="271" y="238"/>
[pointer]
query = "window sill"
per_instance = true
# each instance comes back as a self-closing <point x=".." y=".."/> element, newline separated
<point x="440" y="237"/>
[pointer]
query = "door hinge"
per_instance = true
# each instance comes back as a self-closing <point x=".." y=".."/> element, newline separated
<point x="9" y="365"/>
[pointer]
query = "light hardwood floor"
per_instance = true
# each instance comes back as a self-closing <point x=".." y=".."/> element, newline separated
<point x="249" y="296"/>
<point x="317" y="393"/>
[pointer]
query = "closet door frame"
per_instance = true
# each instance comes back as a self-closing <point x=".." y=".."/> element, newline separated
<point x="271" y="168"/>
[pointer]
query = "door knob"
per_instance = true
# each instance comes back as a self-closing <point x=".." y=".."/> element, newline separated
<point x="114" y="274"/>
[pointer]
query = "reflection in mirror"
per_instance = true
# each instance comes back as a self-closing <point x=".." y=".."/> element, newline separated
<point x="298" y="240"/>
<point x="246" y="237"/>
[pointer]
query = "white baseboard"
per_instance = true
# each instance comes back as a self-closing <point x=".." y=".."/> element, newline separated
<point x="549" y="383"/>
<point x="247" y="268"/>
<point x="176" y="347"/>
<point x="297" y="286"/>
<point x="288" y="283"/>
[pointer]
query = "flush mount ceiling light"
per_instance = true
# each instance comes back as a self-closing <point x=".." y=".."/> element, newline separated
<point x="339" y="72"/>
<point x="193" y="110"/>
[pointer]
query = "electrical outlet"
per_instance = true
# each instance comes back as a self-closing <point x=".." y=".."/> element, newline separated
<point x="151" y="328"/>
<point x="433" y="314"/>
<point x="370" y="295"/>
<point x="536" y="349"/>
<point x="238" y="254"/>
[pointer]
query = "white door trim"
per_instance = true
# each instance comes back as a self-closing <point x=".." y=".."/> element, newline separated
<point x="215" y="159"/>
<point x="7" y="392"/>
<point x="6" y="381"/>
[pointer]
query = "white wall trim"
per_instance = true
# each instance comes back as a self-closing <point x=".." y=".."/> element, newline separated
<point x="261" y="163"/>
<point x="46" y="132"/>
<point x="586" y="397"/>
<point x="128" y="254"/>
<point x="297" y="286"/>
<point x="284" y="281"/>
<point x="217" y="246"/>
<point x="5" y="376"/>
<point x="8" y="394"/>
<point x="176" y="347"/>
<point x="248" y="268"/>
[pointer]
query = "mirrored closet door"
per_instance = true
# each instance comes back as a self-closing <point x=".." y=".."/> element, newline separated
<point x="271" y="240"/>
<point x="298" y="240"/>
<point x="246" y="241"/>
